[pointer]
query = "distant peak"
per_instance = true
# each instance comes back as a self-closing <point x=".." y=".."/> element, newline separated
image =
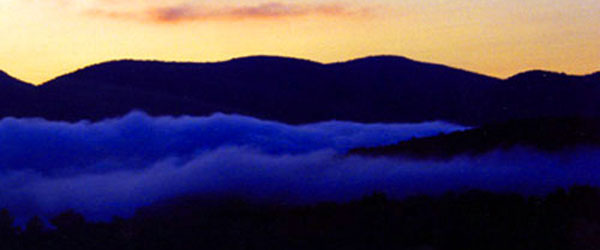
<point x="549" y="74"/>
<point x="537" y="75"/>
<point x="380" y="58"/>
<point x="539" y="72"/>
<point x="269" y="59"/>
<point x="248" y="59"/>
<point x="5" y="78"/>
<point x="385" y="57"/>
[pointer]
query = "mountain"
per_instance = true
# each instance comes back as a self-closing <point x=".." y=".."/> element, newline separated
<point x="15" y="96"/>
<point x="372" y="89"/>
<point x="7" y="81"/>
<point x="546" y="94"/>
<point x="547" y="134"/>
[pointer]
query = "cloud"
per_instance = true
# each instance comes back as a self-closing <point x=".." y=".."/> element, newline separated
<point x="176" y="11"/>
<point x="112" y="14"/>
<point x="304" y="178"/>
<point x="184" y="12"/>
<point x="59" y="148"/>
<point x="115" y="166"/>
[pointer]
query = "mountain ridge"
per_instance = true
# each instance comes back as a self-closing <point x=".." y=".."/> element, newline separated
<point x="545" y="134"/>
<point x="6" y="80"/>
<point x="382" y="56"/>
<point x="371" y="89"/>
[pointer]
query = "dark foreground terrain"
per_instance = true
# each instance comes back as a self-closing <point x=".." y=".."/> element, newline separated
<point x="545" y="134"/>
<point x="469" y="220"/>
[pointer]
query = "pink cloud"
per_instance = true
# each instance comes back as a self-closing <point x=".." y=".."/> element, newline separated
<point x="275" y="9"/>
<point x="194" y="12"/>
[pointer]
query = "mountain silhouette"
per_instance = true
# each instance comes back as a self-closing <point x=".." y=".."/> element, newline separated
<point x="547" y="134"/>
<point x="7" y="81"/>
<point x="372" y="89"/>
<point x="16" y="97"/>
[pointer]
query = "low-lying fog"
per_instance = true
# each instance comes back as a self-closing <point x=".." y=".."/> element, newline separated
<point x="115" y="166"/>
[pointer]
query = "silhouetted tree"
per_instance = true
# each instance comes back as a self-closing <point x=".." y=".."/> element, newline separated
<point x="68" y="221"/>
<point x="35" y="226"/>
<point x="8" y="231"/>
<point x="564" y="219"/>
<point x="71" y="230"/>
<point x="34" y="236"/>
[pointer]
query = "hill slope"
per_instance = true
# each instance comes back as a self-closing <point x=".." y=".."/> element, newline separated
<point x="16" y="97"/>
<point x="372" y="89"/>
<point x="548" y="134"/>
<point x="378" y="89"/>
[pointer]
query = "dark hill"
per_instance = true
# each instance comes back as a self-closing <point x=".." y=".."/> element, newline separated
<point x="546" y="94"/>
<point x="547" y="134"/>
<point x="372" y="89"/>
<point x="16" y="97"/>
<point x="7" y="81"/>
<point x="375" y="89"/>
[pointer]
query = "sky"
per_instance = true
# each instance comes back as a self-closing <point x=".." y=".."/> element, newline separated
<point x="42" y="39"/>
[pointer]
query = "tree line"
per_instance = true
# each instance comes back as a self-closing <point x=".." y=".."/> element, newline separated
<point x="563" y="219"/>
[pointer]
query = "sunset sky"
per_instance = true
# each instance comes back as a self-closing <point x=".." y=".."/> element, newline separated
<point x="42" y="39"/>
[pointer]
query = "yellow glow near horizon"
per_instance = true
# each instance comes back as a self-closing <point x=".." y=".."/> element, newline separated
<point x="44" y="39"/>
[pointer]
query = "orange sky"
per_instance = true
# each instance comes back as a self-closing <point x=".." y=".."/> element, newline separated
<point x="42" y="39"/>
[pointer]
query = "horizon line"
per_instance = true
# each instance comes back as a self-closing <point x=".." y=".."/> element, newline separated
<point x="292" y="58"/>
